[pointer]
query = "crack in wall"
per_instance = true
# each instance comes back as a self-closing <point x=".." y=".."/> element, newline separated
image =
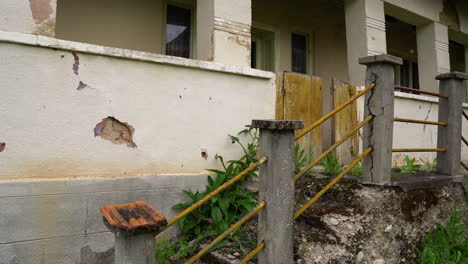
<point x="371" y="125"/>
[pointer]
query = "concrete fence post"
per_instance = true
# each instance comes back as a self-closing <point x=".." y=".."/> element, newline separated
<point x="276" y="176"/>
<point x="450" y="112"/>
<point x="379" y="102"/>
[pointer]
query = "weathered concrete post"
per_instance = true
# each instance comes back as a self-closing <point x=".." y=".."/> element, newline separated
<point x="450" y="112"/>
<point x="379" y="102"/>
<point x="276" y="188"/>
<point x="135" y="226"/>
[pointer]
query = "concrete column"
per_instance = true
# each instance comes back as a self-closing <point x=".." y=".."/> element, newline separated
<point x="379" y="102"/>
<point x="276" y="188"/>
<point x="223" y="31"/>
<point x="135" y="248"/>
<point x="433" y="54"/>
<point x="365" y="34"/>
<point x="450" y="112"/>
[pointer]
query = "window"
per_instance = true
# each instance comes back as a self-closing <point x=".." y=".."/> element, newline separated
<point x="407" y="74"/>
<point x="263" y="50"/>
<point x="299" y="53"/>
<point x="178" y="33"/>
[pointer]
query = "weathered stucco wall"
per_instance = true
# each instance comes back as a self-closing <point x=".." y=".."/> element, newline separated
<point x="172" y="119"/>
<point x="28" y="16"/>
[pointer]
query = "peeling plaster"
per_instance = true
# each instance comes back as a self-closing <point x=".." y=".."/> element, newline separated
<point x="115" y="131"/>
<point x="76" y="65"/>
<point x="2" y="146"/>
<point x="41" y="10"/>
<point x="81" y="86"/>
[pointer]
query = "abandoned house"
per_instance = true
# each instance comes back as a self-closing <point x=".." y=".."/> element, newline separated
<point x="110" y="101"/>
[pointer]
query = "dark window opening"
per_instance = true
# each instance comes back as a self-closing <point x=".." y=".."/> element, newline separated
<point x="253" y="55"/>
<point x="299" y="53"/>
<point x="178" y="31"/>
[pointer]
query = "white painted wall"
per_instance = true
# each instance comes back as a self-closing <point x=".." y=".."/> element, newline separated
<point x="47" y="124"/>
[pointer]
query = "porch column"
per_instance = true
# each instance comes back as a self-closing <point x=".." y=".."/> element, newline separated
<point x="365" y="34"/>
<point x="433" y="54"/>
<point x="33" y="16"/>
<point x="223" y="31"/>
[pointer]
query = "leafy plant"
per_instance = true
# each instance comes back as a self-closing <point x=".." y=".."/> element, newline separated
<point x="446" y="244"/>
<point x="176" y="253"/>
<point x="230" y="205"/>
<point x="332" y="165"/>
<point x="409" y="166"/>
<point x="357" y="170"/>
<point x="429" y="166"/>
<point x="301" y="159"/>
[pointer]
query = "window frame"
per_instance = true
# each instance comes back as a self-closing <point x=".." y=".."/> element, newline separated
<point x="192" y="7"/>
<point x="275" y="53"/>
<point x="310" y="46"/>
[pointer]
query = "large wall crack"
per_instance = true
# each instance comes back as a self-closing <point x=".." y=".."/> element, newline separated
<point x="115" y="131"/>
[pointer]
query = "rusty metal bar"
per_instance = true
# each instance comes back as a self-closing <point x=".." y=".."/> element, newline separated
<point x="226" y="233"/>
<point x="333" y="182"/>
<point x="420" y="150"/>
<point x="419" y="91"/>
<point x="464" y="166"/>
<point x="253" y="253"/>
<point x="419" y="121"/>
<point x="465" y="115"/>
<point x="221" y="188"/>
<point x="464" y="140"/>
<point x="339" y="142"/>
<point x="334" y="111"/>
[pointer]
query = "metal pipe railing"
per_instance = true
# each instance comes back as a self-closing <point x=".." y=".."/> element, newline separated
<point x="226" y="233"/>
<point x="464" y="140"/>
<point x="333" y="182"/>
<point x="464" y="166"/>
<point x="333" y="112"/>
<point x="221" y="188"/>
<point x="334" y="146"/>
<point x="465" y="115"/>
<point x="253" y="253"/>
<point x="420" y="150"/>
<point x="419" y="91"/>
<point x="419" y="121"/>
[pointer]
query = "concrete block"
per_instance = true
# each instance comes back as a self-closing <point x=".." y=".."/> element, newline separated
<point x="88" y="249"/>
<point x="38" y="217"/>
<point x="22" y="253"/>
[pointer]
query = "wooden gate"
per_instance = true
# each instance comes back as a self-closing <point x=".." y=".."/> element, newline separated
<point x="299" y="97"/>
<point x="344" y="121"/>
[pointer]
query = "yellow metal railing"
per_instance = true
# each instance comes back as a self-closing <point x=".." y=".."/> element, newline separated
<point x="464" y="166"/>
<point x="419" y="121"/>
<point x="253" y="253"/>
<point x="465" y="115"/>
<point x="464" y="140"/>
<point x="419" y="150"/>
<point x="221" y="188"/>
<point x="226" y="233"/>
<point x="339" y="142"/>
<point x="334" y="111"/>
<point x="333" y="182"/>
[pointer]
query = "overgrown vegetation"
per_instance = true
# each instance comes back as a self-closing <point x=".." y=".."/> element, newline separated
<point x="410" y="166"/>
<point x="230" y="205"/>
<point x="175" y="253"/>
<point x="331" y="165"/>
<point x="301" y="158"/>
<point x="357" y="170"/>
<point x="446" y="244"/>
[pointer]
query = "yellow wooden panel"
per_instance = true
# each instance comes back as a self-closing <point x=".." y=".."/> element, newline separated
<point x="345" y="120"/>
<point x="279" y="113"/>
<point x="302" y="100"/>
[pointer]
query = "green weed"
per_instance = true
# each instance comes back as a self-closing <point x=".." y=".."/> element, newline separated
<point x="409" y="166"/>
<point x="301" y="158"/>
<point x="331" y="165"/>
<point x="446" y="244"/>
<point x="429" y="166"/>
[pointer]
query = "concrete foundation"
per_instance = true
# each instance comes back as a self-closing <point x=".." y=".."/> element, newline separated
<point x="59" y="222"/>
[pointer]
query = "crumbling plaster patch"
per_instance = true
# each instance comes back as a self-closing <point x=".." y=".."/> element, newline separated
<point x="2" y="146"/>
<point x="115" y="131"/>
<point x="41" y="10"/>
